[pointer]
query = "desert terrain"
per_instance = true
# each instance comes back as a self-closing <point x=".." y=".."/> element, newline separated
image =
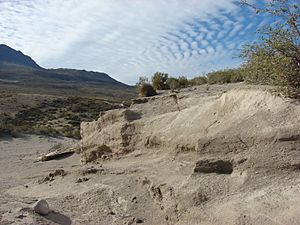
<point x="208" y="155"/>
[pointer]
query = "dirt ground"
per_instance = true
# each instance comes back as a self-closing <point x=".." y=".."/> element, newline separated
<point x="174" y="178"/>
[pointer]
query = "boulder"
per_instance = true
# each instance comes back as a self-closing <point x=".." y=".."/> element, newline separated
<point x="41" y="207"/>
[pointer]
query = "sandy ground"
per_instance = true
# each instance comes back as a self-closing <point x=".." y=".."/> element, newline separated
<point x="18" y="167"/>
<point x="157" y="184"/>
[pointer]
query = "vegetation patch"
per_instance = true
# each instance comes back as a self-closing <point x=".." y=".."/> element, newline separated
<point x="61" y="116"/>
<point x="225" y="76"/>
<point x="275" y="59"/>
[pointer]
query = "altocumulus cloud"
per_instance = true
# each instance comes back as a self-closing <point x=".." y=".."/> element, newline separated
<point x="129" y="38"/>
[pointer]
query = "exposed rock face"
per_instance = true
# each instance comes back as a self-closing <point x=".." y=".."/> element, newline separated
<point x="249" y="134"/>
<point x="231" y="123"/>
<point x="111" y="134"/>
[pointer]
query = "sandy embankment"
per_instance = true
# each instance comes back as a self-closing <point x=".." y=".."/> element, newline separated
<point x="229" y="156"/>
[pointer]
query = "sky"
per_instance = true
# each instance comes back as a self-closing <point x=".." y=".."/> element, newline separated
<point x="130" y="38"/>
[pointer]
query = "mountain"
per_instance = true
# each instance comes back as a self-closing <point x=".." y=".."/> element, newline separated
<point x="11" y="56"/>
<point x="20" y="73"/>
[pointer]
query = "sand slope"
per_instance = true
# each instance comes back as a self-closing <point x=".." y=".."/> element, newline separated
<point x="222" y="155"/>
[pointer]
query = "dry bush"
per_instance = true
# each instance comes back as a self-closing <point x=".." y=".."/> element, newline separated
<point x="146" y="90"/>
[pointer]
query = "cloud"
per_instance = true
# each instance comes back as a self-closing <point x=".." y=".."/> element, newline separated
<point x="125" y="38"/>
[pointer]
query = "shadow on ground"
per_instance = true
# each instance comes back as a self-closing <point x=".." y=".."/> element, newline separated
<point x="59" y="218"/>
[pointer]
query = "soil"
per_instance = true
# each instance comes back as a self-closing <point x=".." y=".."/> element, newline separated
<point x="183" y="165"/>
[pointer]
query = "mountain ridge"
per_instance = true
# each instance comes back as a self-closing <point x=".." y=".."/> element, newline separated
<point x="20" y="72"/>
<point x="10" y="55"/>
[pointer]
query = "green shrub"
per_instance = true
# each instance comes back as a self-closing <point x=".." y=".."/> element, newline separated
<point x="39" y="119"/>
<point x="159" y="81"/>
<point x="225" y="76"/>
<point x="218" y="78"/>
<point x="73" y="117"/>
<point x="69" y="131"/>
<point x="237" y="75"/>
<point x="173" y="83"/>
<point x="265" y="68"/>
<point x="183" y="81"/>
<point x="275" y="60"/>
<point x="198" y="80"/>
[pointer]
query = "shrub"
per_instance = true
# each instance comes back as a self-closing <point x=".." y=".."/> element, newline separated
<point x="159" y="81"/>
<point x="275" y="59"/>
<point x="70" y="132"/>
<point x="183" y="81"/>
<point x="224" y="76"/>
<point x="237" y="75"/>
<point x="46" y="131"/>
<point x="146" y="90"/>
<point x="5" y="125"/>
<point x="218" y="78"/>
<point x="265" y="68"/>
<point x="173" y="83"/>
<point x="198" y="80"/>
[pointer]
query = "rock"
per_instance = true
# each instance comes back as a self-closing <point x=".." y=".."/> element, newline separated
<point x="21" y="216"/>
<point x="88" y="171"/>
<point x="139" y="220"/>
<point x="139" y="101"/>
<point x="80" y="180"/>
<point x="242" y="160"/>
<point x="58" y="152"/>
<point x="59" y="172"/>
<point x="295" y="164"/>
<point x="41" y="207"/>
<point x="114" y="133"/>
<point x="112" y="213"/>
<point x="213" y="166"/>
<point x="50" y="177"/>
<point x="288" y="134"/>
<point x="100" y="152"/>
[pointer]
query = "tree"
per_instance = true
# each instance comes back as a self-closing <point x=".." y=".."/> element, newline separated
<point x="159" y="81"/>
<point x="276" y="58"/>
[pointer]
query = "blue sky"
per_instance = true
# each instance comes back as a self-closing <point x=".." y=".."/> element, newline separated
<point x="129" y="38"/>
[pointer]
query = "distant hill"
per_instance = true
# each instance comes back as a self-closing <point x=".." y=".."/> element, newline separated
<point x="20" y="73"/>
